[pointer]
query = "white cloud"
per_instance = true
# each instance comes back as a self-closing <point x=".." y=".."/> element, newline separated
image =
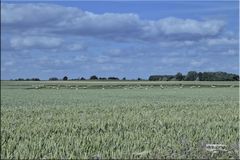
<point x="110" y="68"/>
<point x="49" y="18"/>
<point x="174" y="28"/>
<point x="32" y="15"/>
<point x="230" y="52"/>
<point x="222" y="41"/>
<point x="186" y="43"/>
<point x="76" y="47"/>
<point x="51" y="43"/>
<point x="53" y="63"/>
<point x="81" y="58"/>
<point x="103" y="59"/>
<point x="8" y="63"/>
<point x="198" y="62"/>
<point x="35" y="42"/>
<point x="115" y="52"/>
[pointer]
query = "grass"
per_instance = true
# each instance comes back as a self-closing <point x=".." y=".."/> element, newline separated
<point x="135" y="122"/>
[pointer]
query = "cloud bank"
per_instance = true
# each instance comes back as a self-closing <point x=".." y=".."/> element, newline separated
<point x="55" y="19"/>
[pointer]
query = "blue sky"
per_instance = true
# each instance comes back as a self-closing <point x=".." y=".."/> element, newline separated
<point x="124" y="38"/>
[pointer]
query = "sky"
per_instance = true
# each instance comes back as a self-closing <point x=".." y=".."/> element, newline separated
<point x="117" y="38"/>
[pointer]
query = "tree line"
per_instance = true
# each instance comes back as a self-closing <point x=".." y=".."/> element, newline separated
<point x="196" y="76"/>
<point x="94" y="77"/>
<point x="190" y="76"/>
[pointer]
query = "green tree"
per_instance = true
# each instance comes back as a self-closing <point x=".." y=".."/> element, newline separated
<point x="191" y="76"/>
<point x="94" y="77"/>
<point x="82" y="79"/>
<point x="65" y="78"/>
<point x="200" y="76"/>
<point x="179" y="76"/>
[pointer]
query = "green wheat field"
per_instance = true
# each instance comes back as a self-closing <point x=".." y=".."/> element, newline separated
<point x="119" y="119"/>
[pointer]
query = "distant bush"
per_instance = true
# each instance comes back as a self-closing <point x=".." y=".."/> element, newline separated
<point x="160" y="77"/>
<point x="102" y="78"/>
<point x="82" y="78"/>
<point x="27" y="79"/>
<point x="19" y="79"/>
<point x="53" y="79"/>
<point x="94" y="77"/>
<point x="35" y="79"/>
<point x="113" y="78"/>
<point x="65" y="78"/>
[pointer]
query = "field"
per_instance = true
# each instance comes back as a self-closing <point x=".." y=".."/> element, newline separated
<point x="92" y="119"/>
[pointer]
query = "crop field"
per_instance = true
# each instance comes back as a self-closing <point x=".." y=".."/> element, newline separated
<point x="119" y="119"/>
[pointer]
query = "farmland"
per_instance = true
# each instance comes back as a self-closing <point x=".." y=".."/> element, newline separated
<point x="119" y="119"/>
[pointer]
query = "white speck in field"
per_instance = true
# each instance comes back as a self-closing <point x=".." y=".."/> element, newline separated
<point x="141" y="153"/>
<point x="215" y="148"/>
<point x="96" y="156"/>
